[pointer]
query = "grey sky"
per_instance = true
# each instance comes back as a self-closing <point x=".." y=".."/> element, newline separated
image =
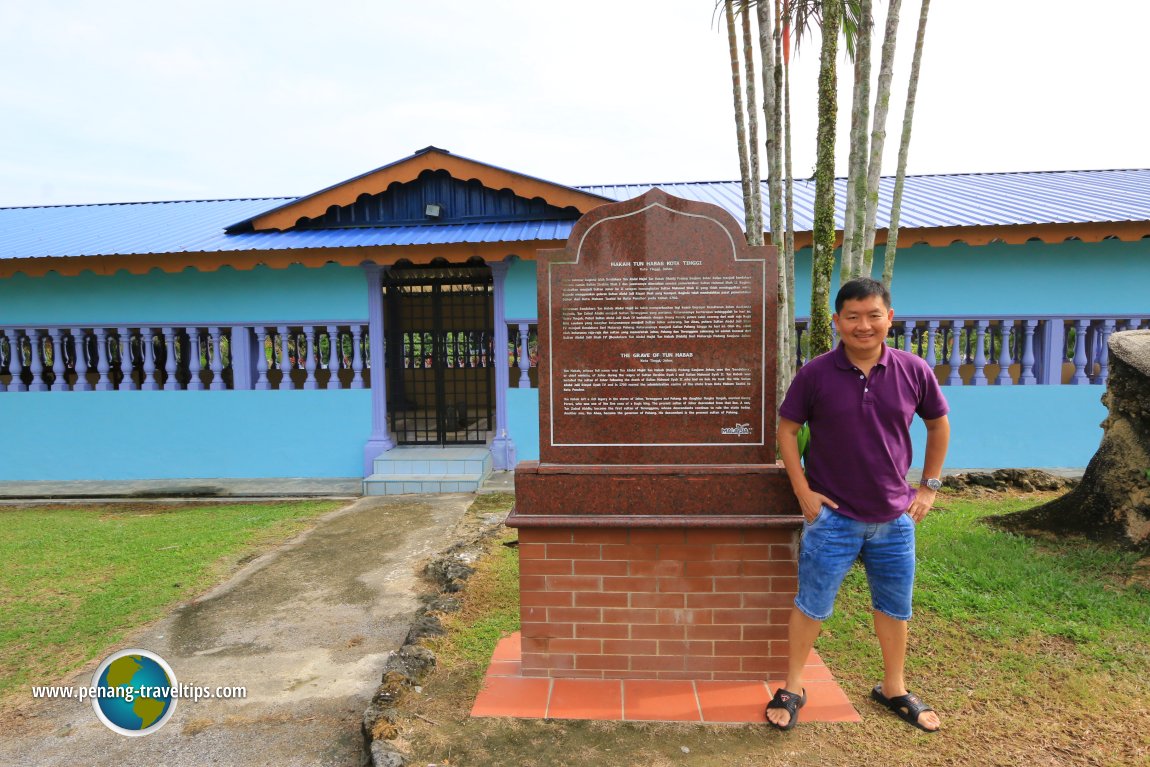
<point x="123" y="100"/>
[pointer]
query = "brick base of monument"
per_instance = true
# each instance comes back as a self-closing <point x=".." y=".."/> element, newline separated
<point x="689" y="602"/>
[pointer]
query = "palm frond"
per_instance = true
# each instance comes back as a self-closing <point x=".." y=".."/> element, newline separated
<point x="805" y="14"/>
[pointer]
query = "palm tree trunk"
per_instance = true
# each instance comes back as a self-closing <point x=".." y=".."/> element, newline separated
<point x="772" y="109"/>
<point x="855" y="215"/>
<point x="740" y="126"/>
<point x="823" y="234"/>
<point x="783" y="51"/>
<point x="878" y="134"/>
<point x="903" y="150"/>
<point x="754" y="226"/>
<point x="772" y="83"/>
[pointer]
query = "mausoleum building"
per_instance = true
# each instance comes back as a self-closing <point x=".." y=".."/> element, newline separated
<point x="354" y="333"/>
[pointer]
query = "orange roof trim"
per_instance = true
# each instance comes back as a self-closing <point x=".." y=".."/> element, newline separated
<point x="1125" y="231"/>
<point x="68" y="266"/>
<point x="408" y="169"/>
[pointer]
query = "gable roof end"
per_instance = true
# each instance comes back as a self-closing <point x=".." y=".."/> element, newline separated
<point x="408" y="169"/>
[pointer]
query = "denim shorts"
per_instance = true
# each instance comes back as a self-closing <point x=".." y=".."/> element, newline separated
<point x="832" y="543"/>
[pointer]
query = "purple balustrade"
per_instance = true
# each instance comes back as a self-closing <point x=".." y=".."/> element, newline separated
<point x="171" y="383"/>
<point x="1081" y="328"/>
<point x="124" y="347"/>
<point x="13" y="362"/>
<point x="4" y="337"/>
<point x="22" y="339"/>
<point x="931" y="340"/>
<point x="103" y="360"/>
<point x="524" y="342"/>
<point x="335" y="357"/>
<point x="1026" y="375"/>
<point x="80" y="344"/>
<point x="216" y="355"/>
<point x="1004" y="353"/>
<point x="955" y="377"/>
<point x="979" y="377"/>
<point x="283" y="335"/>
<point x="55" y="340"/>
<point x="1038" y="345"/>
<point x="148" y="350"/>
<point x="357" y="381"/>
<point x="262" y="383"/>
<point x="307" y="348"/>
<point x="195" y="366"/>
<point x="37" y="362"/>
<point x="1106" y="329"/>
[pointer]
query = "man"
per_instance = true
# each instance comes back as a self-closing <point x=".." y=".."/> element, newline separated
<point x="858" y="401"/>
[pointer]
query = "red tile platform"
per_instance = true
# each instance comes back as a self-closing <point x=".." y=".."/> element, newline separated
<point x="506" y="692"/>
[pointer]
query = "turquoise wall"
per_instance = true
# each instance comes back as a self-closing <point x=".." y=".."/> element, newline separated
<point x="166" y="435"/>
<point x="1020" y="426"/>
<point x="520" y="300"/>
<point x="1108" y="277"/>
<point x="523" y="422"/>
<point x="260" y="294"/>
<point x="992" y="427"/>
<point x="184" y="434"/>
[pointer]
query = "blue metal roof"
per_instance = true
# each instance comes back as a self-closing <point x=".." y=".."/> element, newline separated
<point x="198" y="227"/>
<point x="979" y="199"/>
<point x="971" y="199"/>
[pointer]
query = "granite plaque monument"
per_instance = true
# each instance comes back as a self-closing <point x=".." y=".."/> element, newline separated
<point x="654" y="329"/>
<point x="657" y="530"/>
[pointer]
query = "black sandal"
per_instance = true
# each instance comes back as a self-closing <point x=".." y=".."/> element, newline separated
<point x="908" y="707"/>
<point x="789" y="701"/>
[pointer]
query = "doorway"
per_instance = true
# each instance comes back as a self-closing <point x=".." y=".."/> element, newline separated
<point x="438" y="341"/>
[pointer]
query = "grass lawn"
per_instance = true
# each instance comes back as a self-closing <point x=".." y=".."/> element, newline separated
<point x="1035" y="652"/>
<point x="76" y="580"/>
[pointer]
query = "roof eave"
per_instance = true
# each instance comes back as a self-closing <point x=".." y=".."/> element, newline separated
<point x="408" y="169"/>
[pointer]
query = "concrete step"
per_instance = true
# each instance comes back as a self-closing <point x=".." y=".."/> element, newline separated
<point x="452" y="460"/>
<point x="399" y="484"/>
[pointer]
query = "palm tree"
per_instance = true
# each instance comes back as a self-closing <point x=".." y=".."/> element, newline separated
<point x="878" y="134"/>
<point x="755" y="227"/>
<point x="854" y="221"/>
<point x="740" y="125"/>
<point x="770" y="30"/>
<point x="823" y="231"/>
<point x="783" y="47"/>
<point x="903" y="149"/>
<point x="748" y="148"/>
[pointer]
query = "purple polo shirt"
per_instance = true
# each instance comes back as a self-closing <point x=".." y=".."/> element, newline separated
<point x="860" y="449"/>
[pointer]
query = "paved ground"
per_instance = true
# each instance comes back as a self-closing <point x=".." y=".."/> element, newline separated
<point x="305" y="629"/>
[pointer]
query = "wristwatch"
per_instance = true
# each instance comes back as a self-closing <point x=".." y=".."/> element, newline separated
<point x="933" y="483"/>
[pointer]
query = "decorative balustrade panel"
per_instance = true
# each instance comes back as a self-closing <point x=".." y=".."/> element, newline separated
<point x="973" y="351"/>
<point x="1004" y="351"/>
<point x="523" y="354"/>
<point x="184" y="357"/>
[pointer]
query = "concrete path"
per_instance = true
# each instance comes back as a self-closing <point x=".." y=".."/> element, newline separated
<point x="305" y="629"/>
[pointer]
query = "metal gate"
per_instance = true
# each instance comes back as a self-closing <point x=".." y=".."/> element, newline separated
<point x="439" y="332"/>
